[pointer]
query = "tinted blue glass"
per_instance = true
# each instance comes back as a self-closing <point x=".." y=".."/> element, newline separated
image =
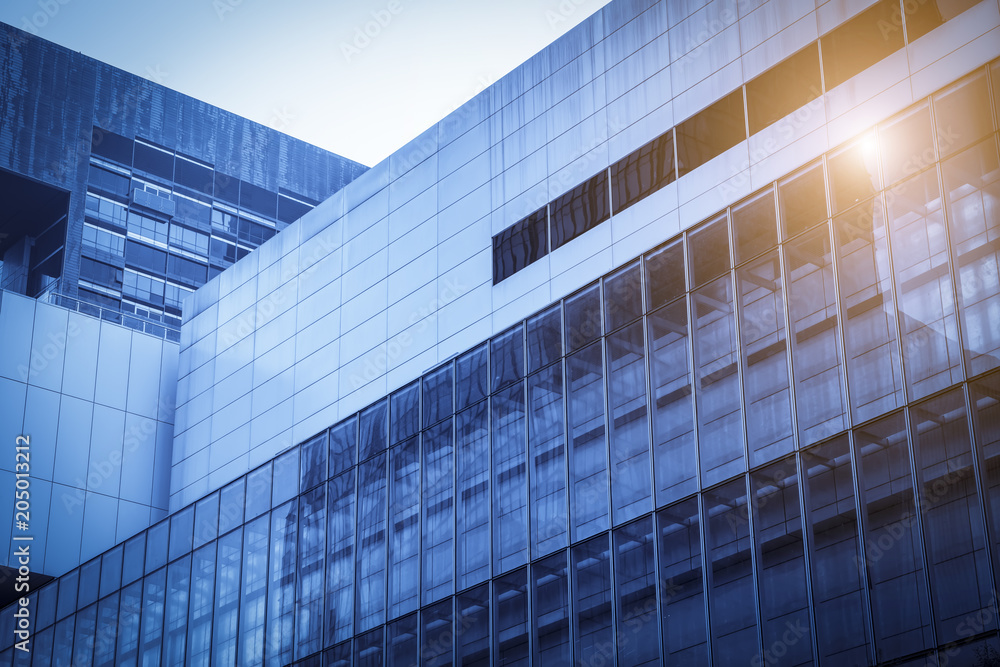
<point x="309" y="578"/>
<point x="708" y="251"/>
<point x="129" y="611"/>
<point x="472" y="620"/>
<point x="402" y="641"/>
<point x="635" y="594"/>
<point x="232" y="500"/>
<point x="507" y="357"/>
<point x="404" y="528"/>
<point x="339" y="656"/>
<point x="631" y="486"/>
<point x="253" y="592"/>
<point x="286" y="477"/>
<point x="588" y="463"/>
<point x="343" y="446"/>
<point x="368" y="649"/>
<point x="151" y="625"/>
<point x="206" y="520"/>
<point x="175" y="614"/>
<point x="62" y="642"/>
<point x="547" y="455"/>
<point x="438" y="635"/>
<point x="438" y="397"/>
<point x="227" y="596"/>
<point x="157" y="545"/>
<point x="45" y="612"/>
<point x="437" y="507"/>
<point x="583" y="318"/>
<point x="682" y="598"/>
<point x="374" y="430"/>
<point x="181" y="527"/>
<point x="470" y="378"/>
<point x="258" y="491"/>
<point x="510" y="602"/>
<point x="281" y="582"/>
<point x="372" y="557"/>
<point x="544" y="338"/>
<point x="68" y="585"/>
<point x="664" y="274"/>
<point x="510" y="480"/>
<point x="591" y="571"/>
<point x="90" y="577"/>
<point x="83" y="643"/>
<point x="199" y="628"/>
<point x="42" y="647"/>
<point x="313" y="462"/>
<point x="339" y="619"/>
<point x="473" y="495"/>
<point x="623" y="296"/>
<point x="404" y="421"/>
<point x="104" y="642"/>
<point x="550" y="611"/>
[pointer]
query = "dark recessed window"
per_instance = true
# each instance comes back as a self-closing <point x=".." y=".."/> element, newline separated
<point x="258" y="200"/>
<point x="802" y="200"/>
<point x="154" y="161"/>
<point x="858" y="44"/>
<point x="196" y="176"/>
<point x="290" y="210"/>
<point x="227" y="188"/>
<point x="521" y="244"/>
<point x="708" y="251"/>
<point x="581" y="209"/>
<point x="185" y="271"/>
<point x="100" y="273"/>
<point x="710" y="132"/>
<point x="107" y="182"/>
<point x="665" y="275"/>
<point x="643" y="172"/>
<point x="754" y="225"/>
<point x="143" y="257"/>
<point x="784" y="88"/>
<point x="111" y="146"/>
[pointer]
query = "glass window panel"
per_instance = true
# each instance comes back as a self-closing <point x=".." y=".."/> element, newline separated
<point x="708" y="251"/>
<point x="371" y="540"/>
<point x="104" y="642"/>
<point x="402" y="642"/>
<point x="720" y="422"/>
<point x="438" y="636"/>
<point x="343" y="446"/>
<point x="374" y="430"/>
<point x="710" y="132"/>
<point x="962" y="114"/>
<point x="404" y="528"/>
<point x="781" y="577"/>
<point x="281" y="584"/>
<point x="404" y="421"/>
<point x="472" y="627"/>
<point x="893" y="556"/>
<point x="583" y="318"/>
<point x="181" y="532"/>
<point x="309" y="579"/>
<point x="755" y="228"/>
<point x="802" y="200"/>
<point x="643" y="171"/>
<point x="133" y="559"/>
<point x="579" y="210"/>
<point x="520" y="245"/>
<point x="175" y="614"/>
<point x="507" y="357"/>
<point x="674" y="454"/>
<point x="907" y="143"/>
<point x="62" y="642"/>
<point x="953" y="521"/>
<point x="727" y="528"/>
<point x="439" y="390"/>
<point x="510" y="602"/>
<point x="856" y="45"/>
<point x="815" y="335"/>
<point x="588" y="464"/>
<point x="339" y="623"/>
<point x="258" y="492"/>
<point x="635" y="582"/>
<point x="253" y="593"/>
<point x="90" y="578"/>
<point x="623" y="296"/>
<point x="470" y="378"/>
<point x="550" y="611"/>
<point x="339" y="656"/>
<point x="157" y="545"/>
<point x="199" y="628"/>
<point x="972" y="182"/>
<point x="985" y="397"/>
<point x="472" y="475"/>
<point x="927" y="323"/>
<point x="510" y="479"/>
<point x="831" y="516"/>
<point x="368" y="649"/>
<point x="286" y="477"/>
<point x="547" y="446"/>
<point x="151" y="624"/>
<point x="770" y="97"/>
<point x="232" y="499"/>
<point x="853" y="173"/>
<point x="764" y="352"/>
<point x="664" y="274"/>
<point x="206" y="520"/>
<point x="83" y="644"/>
<point x="682" y="597"/>
<point x="873" y="364"/>
<point x="111" y="571"/>
<point x="631" y="486"/>
<point x="313" y="462"/>
<point x="592" y="629"/>
<point x="45" y="612"/>
<point x="129" y="612"/>
<point x="437" y="506"/>
<point x="544" y="338"/>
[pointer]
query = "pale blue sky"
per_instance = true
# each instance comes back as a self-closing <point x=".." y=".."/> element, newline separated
<point x="300" y="65"/>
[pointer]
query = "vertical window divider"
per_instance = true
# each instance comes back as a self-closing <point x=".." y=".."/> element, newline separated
<point x="755" y="558"/>
<point x="861" y="506"/>
<point x="807" y="545"/>
<point x="977" y="467"/>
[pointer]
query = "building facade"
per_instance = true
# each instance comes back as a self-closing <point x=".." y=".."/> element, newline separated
<point x="678" y="345"/>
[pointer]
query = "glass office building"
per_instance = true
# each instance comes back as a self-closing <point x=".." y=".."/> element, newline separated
<point x="770" y="436"/>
